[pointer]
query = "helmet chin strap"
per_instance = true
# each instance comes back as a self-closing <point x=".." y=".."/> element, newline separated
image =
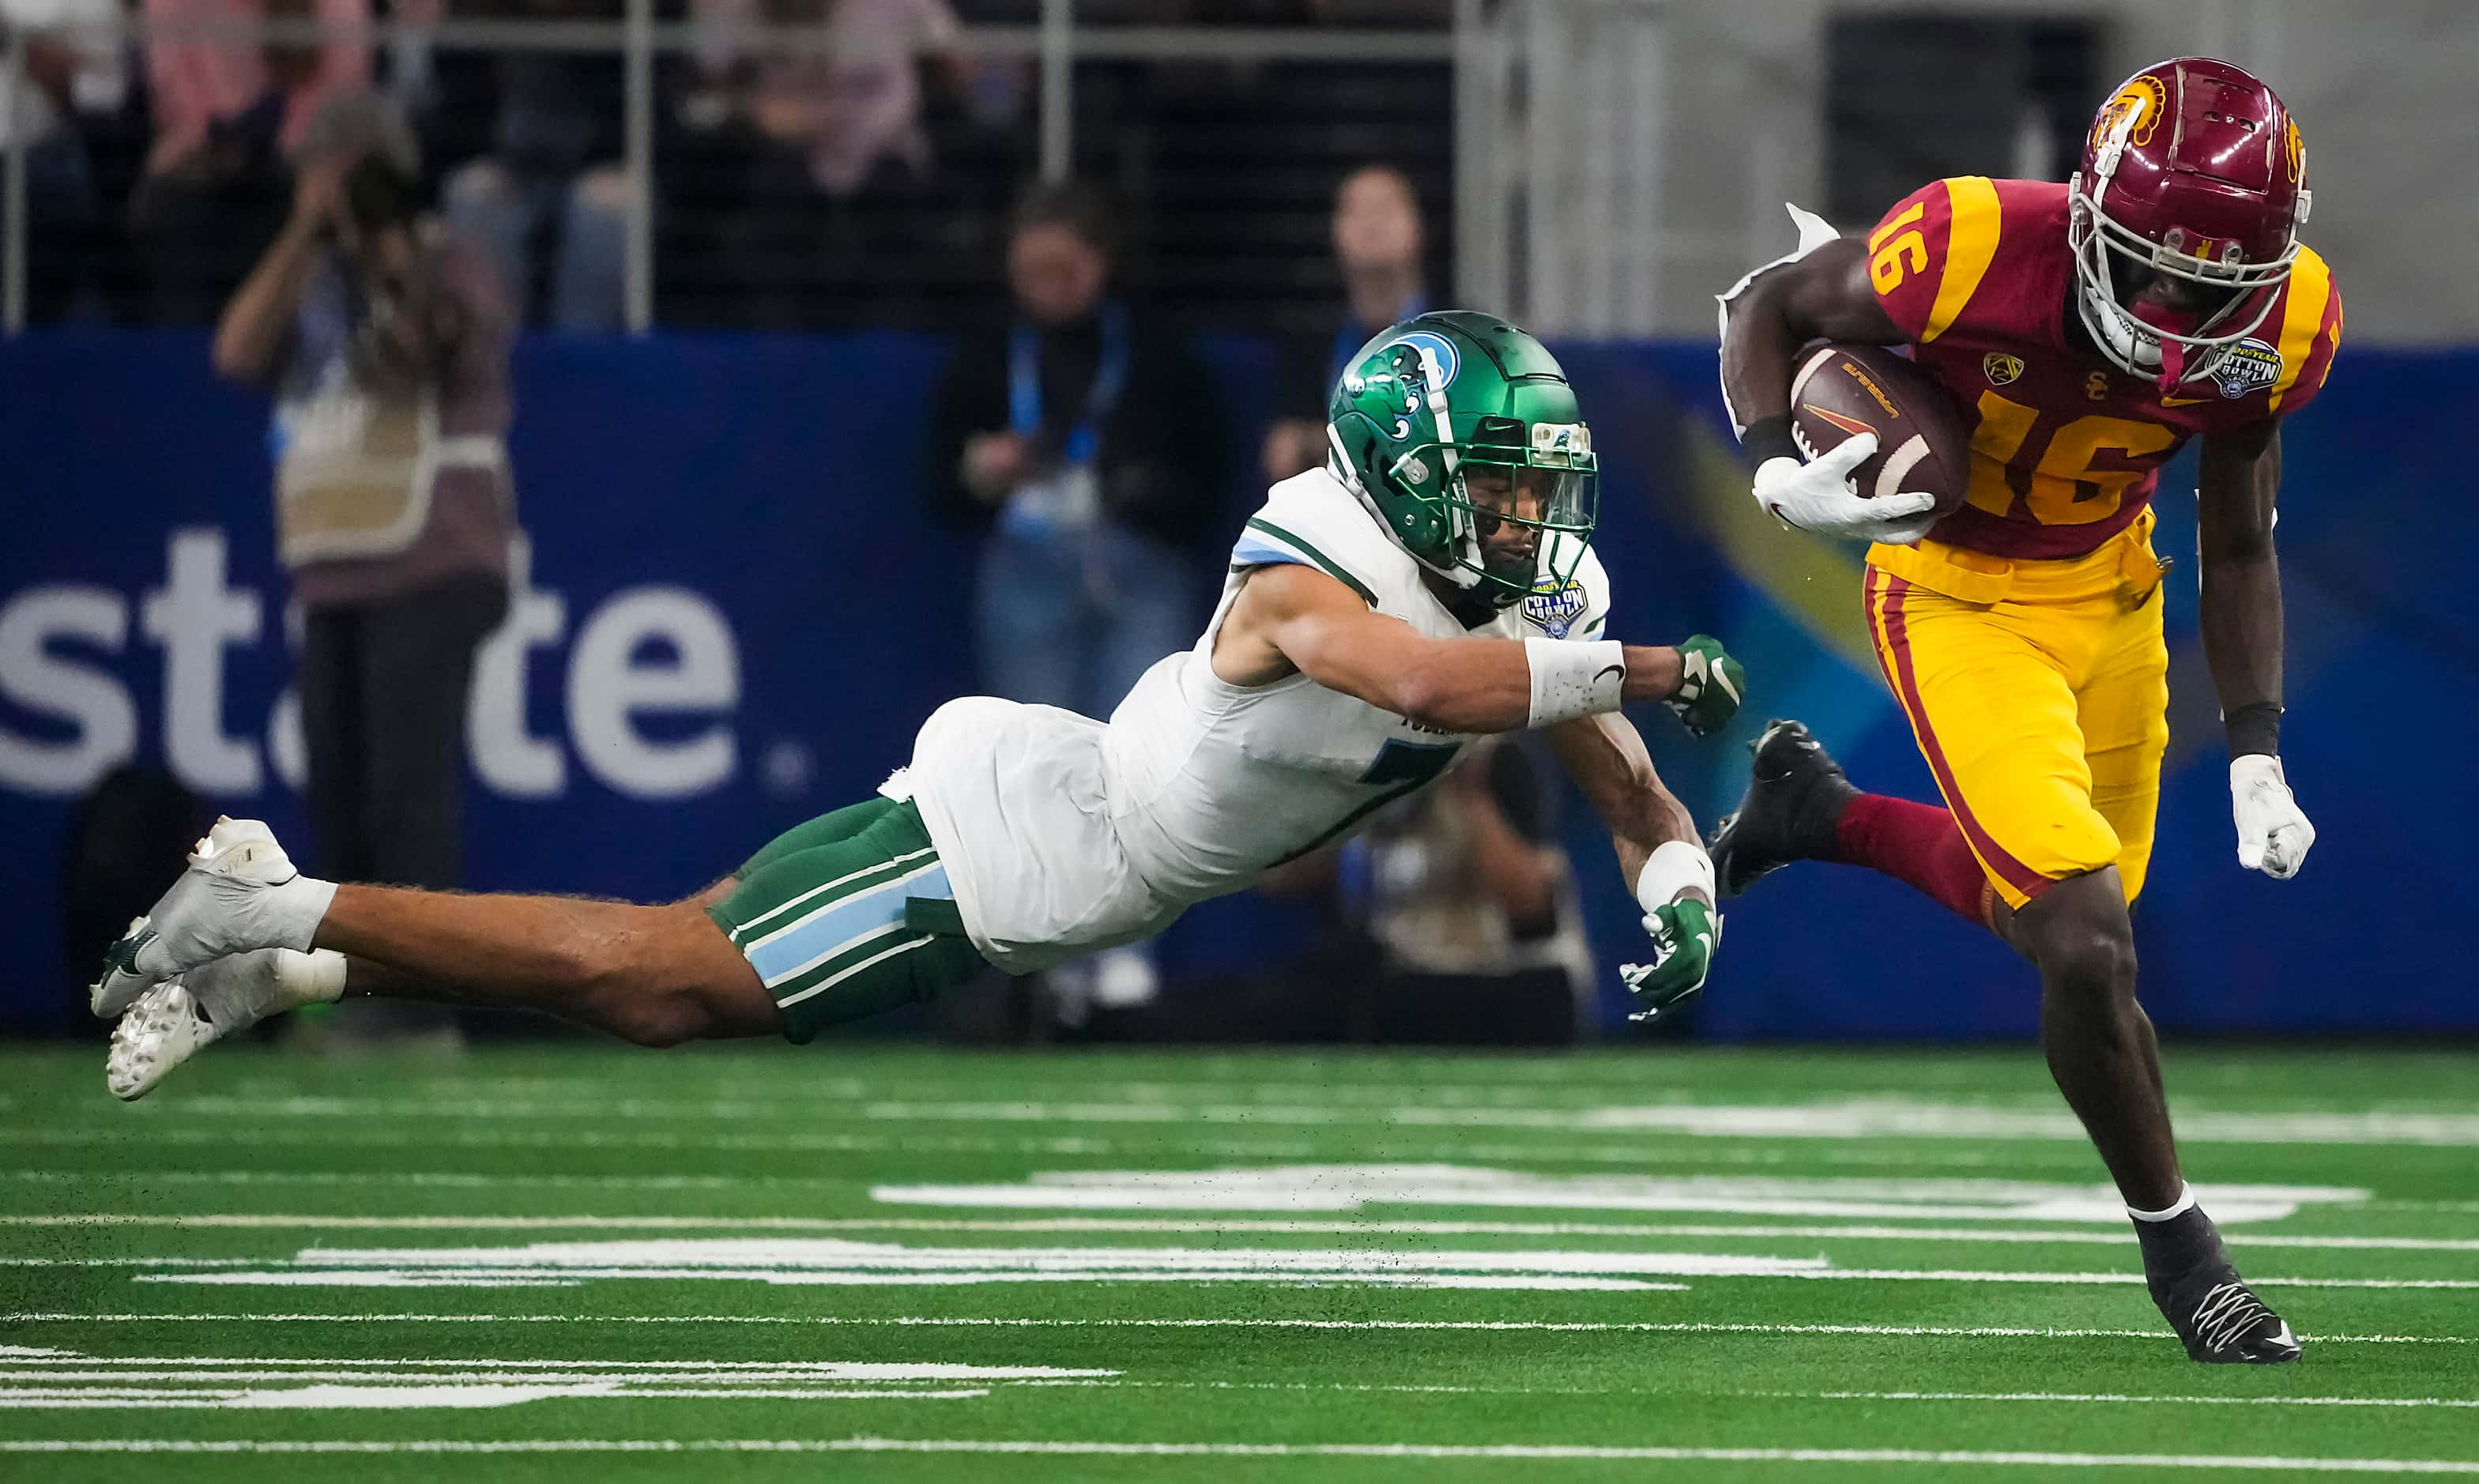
<point x="1459" y="525"/>
<point x="1337" y="463"/>
<point x="2171" y="353"/>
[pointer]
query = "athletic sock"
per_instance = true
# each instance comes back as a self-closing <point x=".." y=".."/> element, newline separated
<point x="2175" y="1242"/>
<point x="1918" y="843"/>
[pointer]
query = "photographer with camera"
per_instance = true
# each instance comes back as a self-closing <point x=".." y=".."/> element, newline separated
<point x="385" y="339"/>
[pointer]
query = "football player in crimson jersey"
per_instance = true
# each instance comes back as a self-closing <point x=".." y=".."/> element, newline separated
<point x="2093" y="328"/>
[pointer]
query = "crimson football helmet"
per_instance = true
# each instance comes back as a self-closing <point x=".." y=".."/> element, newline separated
<point x="2193" y="169"/>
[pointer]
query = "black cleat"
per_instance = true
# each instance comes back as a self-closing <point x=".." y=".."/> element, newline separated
<point x="1791" y="806"/>
<point x="2221" y="1321"/>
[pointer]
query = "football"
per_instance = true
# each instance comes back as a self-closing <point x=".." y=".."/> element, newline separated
<point x="1922" y="436"/>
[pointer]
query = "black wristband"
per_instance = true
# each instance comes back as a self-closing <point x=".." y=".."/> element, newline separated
<point x="2255" y="729"/>
<point x="1768" y="438"/>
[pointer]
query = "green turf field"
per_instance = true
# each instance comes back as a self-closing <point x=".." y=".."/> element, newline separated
<point x="775" y="1264"/>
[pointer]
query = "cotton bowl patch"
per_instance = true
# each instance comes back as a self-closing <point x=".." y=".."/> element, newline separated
<point x="2249" y="366"/>
<point x="1554" y="605"/>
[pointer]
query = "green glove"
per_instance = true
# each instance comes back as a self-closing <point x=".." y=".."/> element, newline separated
<point x="1710" y="685"/>
<point x="1685" y="934"/>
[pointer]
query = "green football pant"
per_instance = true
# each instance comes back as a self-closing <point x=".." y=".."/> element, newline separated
<point x="848" y="916"/>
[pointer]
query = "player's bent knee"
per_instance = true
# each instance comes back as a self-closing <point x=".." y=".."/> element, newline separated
<point x="2097" y="965"/>
<point x="2079" y="935"/>
<point x="660" y="1018"/>
<point x="675" y="979"/>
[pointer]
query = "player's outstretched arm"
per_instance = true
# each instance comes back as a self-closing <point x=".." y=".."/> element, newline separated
<point x="1659" y="852"/>
<point x="2235" y="487"/>
<point x="1822" y="294"/>
<point x="1292" y="620"/>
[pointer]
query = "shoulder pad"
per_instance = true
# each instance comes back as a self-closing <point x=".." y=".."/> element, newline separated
<point x="1312" y="521"/>
<point x="1928" y="255"/>
<point x="2311" y="333"/>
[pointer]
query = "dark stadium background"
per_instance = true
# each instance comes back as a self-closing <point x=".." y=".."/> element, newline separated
<point x="771" y="474"/>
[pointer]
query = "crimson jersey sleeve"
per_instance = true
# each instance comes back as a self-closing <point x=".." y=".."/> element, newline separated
<point x="2308" y="324"/>
<point x="1930" y="258"/>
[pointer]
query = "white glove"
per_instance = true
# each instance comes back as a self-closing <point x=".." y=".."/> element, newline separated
<point x="2274" y="835"/>
<point x="1818" y="496"/>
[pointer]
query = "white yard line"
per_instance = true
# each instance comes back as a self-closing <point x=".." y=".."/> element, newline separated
<point x="407" y="1398"/>
<point x="1122" y="1383"/>
<point x="1560" y="1149"/>
<point x="1542" y="1453"/>
<point x="1289" y="1226"/>
<point x="1974" y="1275"/>
<point x="925" y="1321"/>
<point x="2110" y="1397"/>
<point x="696" y="1378"/>
<point x="831" y="1370"/>
<point x="422" y="1179"/>
<point x="1858" y="1117"/>
<point x="483" y="1277"/>
<point x="452" y="1373"/>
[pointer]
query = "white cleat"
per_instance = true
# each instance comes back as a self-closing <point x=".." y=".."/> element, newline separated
<point x="241" y="893"/>
<point x="161" y="1031"/>
<point x="176" y="1020"/>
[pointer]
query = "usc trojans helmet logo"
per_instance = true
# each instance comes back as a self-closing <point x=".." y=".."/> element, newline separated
<point x="2133" y="113"/>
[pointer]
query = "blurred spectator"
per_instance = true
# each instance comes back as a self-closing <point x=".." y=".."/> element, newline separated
<point x="1073" y="438"/>
<point x="226" y="111"/>
<point x="828" y="149"/>
<point x="1079" y="438"/>
<point x="1377" y="245"/>
<point x="72" y="70"/>
<point x="385" y="336"/>
<point x="548" y="200"/>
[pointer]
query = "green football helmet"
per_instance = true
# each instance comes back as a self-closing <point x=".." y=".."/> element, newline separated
<point x="1437" y="399"/>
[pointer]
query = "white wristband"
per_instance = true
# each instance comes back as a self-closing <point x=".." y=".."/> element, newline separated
<point x="311" y="978"/>
<point x="1674" y="867"/>
<point x="1574" y="678"/>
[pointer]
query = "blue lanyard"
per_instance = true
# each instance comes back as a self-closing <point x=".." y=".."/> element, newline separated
<point x="1110" y="378"/>
<point x="1352" y="336"/>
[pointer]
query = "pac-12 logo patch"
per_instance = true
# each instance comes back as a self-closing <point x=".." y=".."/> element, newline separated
<point x="1554" y="605"/>
<point x="2249" y="366"/>
<point x="2000" y="369"/>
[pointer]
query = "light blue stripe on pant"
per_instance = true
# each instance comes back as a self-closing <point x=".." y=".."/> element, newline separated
<point x="828" y="928"/>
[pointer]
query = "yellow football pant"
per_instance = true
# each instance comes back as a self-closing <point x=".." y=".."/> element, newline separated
<point x="2040" y="694"/>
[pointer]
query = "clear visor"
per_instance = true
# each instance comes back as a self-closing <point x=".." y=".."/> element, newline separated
<point x="1512" y="512"/>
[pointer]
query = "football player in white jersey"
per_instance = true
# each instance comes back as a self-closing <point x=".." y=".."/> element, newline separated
<point x="1434" y="582"/>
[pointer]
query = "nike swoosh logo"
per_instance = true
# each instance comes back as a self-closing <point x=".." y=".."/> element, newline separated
<point x="2283" y="1336"/>
<point x="1851" y="425"/>
<point x="2184" y="401"/>
<point x="1606" y="670"/>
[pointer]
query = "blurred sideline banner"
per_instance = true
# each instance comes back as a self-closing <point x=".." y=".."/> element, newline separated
<point x="734" y="615"/>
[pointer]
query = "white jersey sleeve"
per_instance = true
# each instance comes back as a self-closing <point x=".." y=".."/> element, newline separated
<point x="1312" y="521"/>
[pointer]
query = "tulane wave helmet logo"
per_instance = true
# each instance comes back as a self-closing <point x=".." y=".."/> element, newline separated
<point x="1438" y="349"/>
